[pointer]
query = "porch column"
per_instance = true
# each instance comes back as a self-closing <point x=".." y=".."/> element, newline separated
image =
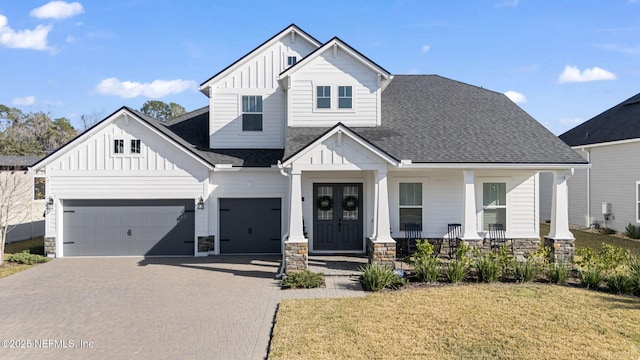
<point x="382" y="248"/>
<point x="296" y="247"/>
<point x="469" y="217"/>
<point x="560" y="240"/>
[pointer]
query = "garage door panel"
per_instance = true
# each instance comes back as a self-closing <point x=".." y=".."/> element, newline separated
<point x="128" y="227"/>
<point x="250" y="225"/>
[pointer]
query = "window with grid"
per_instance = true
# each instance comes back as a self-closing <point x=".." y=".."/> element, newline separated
<point x="410" y="197"/>
<point x="494" y="204"/>
<point x="345" y="98"/>
<point x="323" y="97"/>
<point x="135" y="146"/>
<point x="291" y="60"/>
<point x="252" y="113"/>
<point x="39" y="188"/>
<point x="118" y="146"/>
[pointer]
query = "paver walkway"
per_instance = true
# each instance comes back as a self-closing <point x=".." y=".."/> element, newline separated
<point x="153" y="308"/>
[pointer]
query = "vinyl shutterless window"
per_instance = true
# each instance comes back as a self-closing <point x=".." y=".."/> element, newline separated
<point x="345" y="97"/>
<point x="410" y="200"/>
<point x="323" y="97"/>
<point x="291" y="60"/>
<point x="135" y="146"/>
<point x="252" y="113"/>
<point x="118" y="146"/>
<point x="39" y="188"/>
<point x="494" y="204"/>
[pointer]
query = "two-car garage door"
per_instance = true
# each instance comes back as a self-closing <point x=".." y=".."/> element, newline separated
<point x="128" y="227"/>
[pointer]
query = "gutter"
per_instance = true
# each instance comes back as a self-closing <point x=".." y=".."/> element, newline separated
<point x="280" y="273"/>
<point x="588" y="190"/>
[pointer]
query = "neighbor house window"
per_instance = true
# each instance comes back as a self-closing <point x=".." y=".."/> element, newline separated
<point x="118" y="146"/>
<point x="494" y="204"/>
<point x="291" y="60"/>
<point x="135" y="146"/>
<point x="345" y="99"/>
<point x="410" y="204"/>
<point x="252" y="113"/>
<point x="323" y="97"/>
<point x="39" y="188"/>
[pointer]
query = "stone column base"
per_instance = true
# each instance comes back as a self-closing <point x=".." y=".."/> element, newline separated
<point x="562" y="250"/>
<point x="381" y="253"/>
<point x="50" y="246"/>
<point x="296" y="256"/>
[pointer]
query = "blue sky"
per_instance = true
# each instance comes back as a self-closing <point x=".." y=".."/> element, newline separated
<point x="562" y="61"/>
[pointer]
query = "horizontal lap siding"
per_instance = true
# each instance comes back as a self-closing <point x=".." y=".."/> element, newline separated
<point x="522" y="207"/>
<point x="577" y="188"/>
<point x="249" y="184"/>
<point x="444" y="204"/>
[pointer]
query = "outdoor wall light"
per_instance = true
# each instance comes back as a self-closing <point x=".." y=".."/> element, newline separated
<point x="200" y="203"/>
<point x="48" y="206"/>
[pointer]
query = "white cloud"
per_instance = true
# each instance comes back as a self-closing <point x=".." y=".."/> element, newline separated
<point x="572" y="74"/>
<point x="630" y="50"/>
<point x="154" y="89"/>
<point x="571" y="121"/>
<point x="35" y="39"/>
<point x="425" y="49"/>
<point x="25" y="101"/>
<point x="516" y="97"/>
<point x="57" y="10"/>
<point x="70" y="39"/>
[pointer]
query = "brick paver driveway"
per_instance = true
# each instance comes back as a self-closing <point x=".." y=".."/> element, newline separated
<point x="154" y="308"/>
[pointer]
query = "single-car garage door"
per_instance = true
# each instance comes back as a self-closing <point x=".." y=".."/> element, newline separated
<point x="128" y="227"/>
<point x="250" y="226"/>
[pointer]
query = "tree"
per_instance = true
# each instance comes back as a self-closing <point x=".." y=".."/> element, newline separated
<point x="15" y="197"/>
<point x="161" y="110"/>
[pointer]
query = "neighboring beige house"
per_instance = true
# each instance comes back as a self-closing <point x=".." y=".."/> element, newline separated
<point x="26" y="218"/>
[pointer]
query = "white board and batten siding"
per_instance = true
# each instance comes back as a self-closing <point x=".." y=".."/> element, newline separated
<point x="90" y="169"/>
<point x="255" y="75"/>
<point x="341" y="70"/>
<point x="614" y="173"/>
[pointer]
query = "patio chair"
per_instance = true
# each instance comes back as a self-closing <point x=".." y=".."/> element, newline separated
<point x="412" y="232"/>
<point x="437" y="246"/>
<point x="497" y="238"/>
<point x="453" y="235"/>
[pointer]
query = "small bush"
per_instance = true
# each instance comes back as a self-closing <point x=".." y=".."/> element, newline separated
<point x="619" y="283"/>
<point x="27" y="258"/>
<point x="607" y="231"/>
<point x="489" y="268"/>
<point x="424" y="249"/>
<point x="456" y="271"/>
<point x="590" y="277"/>
<point x="634" y="271"/>
<point x="427" y="269"/>
<point x="377" y="277"/>
<point x="305" y="279"/>
<point x="632" y="231"/>
<point x="525" y="271"/>
<point x="557" y="273"/>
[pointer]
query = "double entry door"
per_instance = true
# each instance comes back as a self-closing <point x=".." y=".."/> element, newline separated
<point x="337" y="224"/>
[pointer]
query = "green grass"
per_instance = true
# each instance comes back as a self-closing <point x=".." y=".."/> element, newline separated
<point x="595" y="240"/>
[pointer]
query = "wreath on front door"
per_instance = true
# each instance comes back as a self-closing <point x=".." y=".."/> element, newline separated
<point x="350" y="203"/>
<point x="324" y="203"/>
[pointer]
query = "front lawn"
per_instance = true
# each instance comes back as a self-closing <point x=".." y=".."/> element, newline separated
<point x="595" y="240"/>
<point x="8" y="268"/>
<point x="498" y="321"/>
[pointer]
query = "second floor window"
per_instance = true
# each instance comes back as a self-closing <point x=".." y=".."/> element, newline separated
<point x="323" y="97"/>
<point x="345" y="99"/>
<point x="291" y="60"/>
<point x="118" y="146"/>
<point x="135" y="146"/>
<point x="252" y="113"/>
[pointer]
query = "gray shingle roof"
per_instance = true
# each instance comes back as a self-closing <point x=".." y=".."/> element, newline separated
<point x="621" y="122"/>
<point x="18" y="160"/>
<point x="431" y="119"/>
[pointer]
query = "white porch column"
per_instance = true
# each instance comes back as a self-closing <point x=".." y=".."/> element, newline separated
<point x="469" y="217"/>
<point x="296" y="247"/>
<point x="382" y="248"/>
<point x="560" y="207"/>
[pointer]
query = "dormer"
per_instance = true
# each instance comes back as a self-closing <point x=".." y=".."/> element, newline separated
<point x="335" y="83"/>
<point x="247" y="108"/>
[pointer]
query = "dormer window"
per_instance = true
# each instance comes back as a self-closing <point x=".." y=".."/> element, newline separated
<point x="251" y="113"/>
<point x="135" y="146"/>
<point x="118" y="146"/>
<point x="345" y="98"/>
<point x="323" y="97"/>
<point x="292" y="60"/>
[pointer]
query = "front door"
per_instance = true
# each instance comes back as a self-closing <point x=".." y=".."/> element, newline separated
<point x="337" y="217"/>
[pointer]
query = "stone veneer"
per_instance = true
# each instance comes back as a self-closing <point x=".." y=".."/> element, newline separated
<point x="50" y="246"/>
<point x="296" y="256"/>
<point x="562" y="250"/>
<point x="521" y="247"/>
<point x="381" y="253"/>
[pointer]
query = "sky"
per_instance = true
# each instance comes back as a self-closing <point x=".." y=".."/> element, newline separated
<point x="562" y="61"/>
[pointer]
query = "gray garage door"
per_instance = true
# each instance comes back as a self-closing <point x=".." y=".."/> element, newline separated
<point x="128" y="227"/>
<point x="250" y="226"/>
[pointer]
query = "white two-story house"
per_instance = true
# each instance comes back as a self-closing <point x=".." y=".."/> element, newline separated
<point x="307" y="147"/>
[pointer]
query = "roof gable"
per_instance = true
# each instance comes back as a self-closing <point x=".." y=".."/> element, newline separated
<point x="621" y="122"/>
<point x="291" y="30"/>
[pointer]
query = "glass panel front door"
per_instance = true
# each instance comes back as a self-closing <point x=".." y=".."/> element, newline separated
<point x="338" y="217"/>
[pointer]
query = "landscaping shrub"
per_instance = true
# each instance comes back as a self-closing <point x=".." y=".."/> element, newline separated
<point x="27" y="258"/>
<point x="557" y="273"/>
<point x="424" y="249"/>
<point x="590" y="277"/>
<point x="488" y="267"/>
<point x="305" y="279"/>
<point x="427" y="269"/>
<point x="632" y="231"/>
<point x="619" y="283"/>
<point x="525" y="271"/>
<point x="456" y="271"/>
<point x="607" y="231"/>
<point x="594" y="267"/>
<point x="38" y="250"/>
<point x="377" y="277"/>
<point x="634" y="271"/>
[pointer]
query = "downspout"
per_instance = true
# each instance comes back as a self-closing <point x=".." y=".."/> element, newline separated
<point x="588" y="190"/>
<point x="286" y="235"/>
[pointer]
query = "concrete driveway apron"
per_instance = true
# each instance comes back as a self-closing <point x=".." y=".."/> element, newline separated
<point x="147" y="308"/>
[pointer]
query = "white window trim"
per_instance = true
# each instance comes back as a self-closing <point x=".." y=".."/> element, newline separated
<point x="480" y="200"/>
<point x="353" y="98"/>
<point x="241" y="112"/>
<point x="315" y="99"/>
<point x="637" y="202"/>
<point x="44" y="196"/>
<point x="397" y="205"/>
<point x="127" y="146"/>
<point x="334" y="98"/>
